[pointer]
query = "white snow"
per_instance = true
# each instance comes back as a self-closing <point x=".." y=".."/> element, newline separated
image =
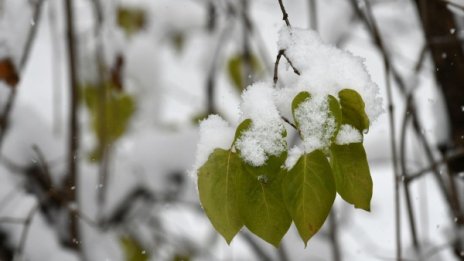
<point x="15" y="23"/>
<point x="214" y="133"/>
<point x="293" y="155"/>
<point x="316" y="123"/>
<point x="265" y="136"/>
<point x="183" y="76"/>
<point x="326" y="69"/>
<point x="348" y="134"/>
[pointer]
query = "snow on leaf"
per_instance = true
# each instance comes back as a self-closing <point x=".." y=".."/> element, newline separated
<point x="266" y="136"/>
<point x="315" y="122"/>
<point x="214" y="133"/>
<point x="348" y="134"/>
<point x="326" y="69"/>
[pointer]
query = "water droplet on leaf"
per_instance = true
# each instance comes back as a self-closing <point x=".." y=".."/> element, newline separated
<point x="263" y="179"/>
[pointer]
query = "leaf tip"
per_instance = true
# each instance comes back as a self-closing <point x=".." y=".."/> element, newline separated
<point x="363" y="207"/>
<point x="229" y="239"/>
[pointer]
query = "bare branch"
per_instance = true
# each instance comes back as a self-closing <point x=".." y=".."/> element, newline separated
<point x="5" y="116"/>
<point x="284" y="13"/>
<point x="22" y="241"/>
<point x="372" y="28"/>
<point x="276" y="65"/>
<point x="12" y="220"/>
<point x="73" y="142"/>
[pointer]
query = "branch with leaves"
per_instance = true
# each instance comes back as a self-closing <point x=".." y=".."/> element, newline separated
<point x="253" y="179"/>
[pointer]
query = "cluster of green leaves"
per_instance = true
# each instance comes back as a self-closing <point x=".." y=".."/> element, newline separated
<point x="268" y="198"/>
<point x="110" y="111"/>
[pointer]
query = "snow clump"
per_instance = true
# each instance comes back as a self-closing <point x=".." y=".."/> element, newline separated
<point x="266" y="136"/>
<point x="214" y="133"/>
<point x="348" y="134"/>
<point x="316" y="123"/>
<point x="325" y="69"/>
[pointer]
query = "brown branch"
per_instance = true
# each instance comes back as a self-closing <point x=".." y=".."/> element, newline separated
<point x="105" y="153"/>
<point x="295" y="70"/>
<point x="434" y="165"/>
<point x="73" y="141"/>
<point x="409" y="207"/>
<point x="284" y="13"/>
<point x="289" y="122"/>
<point x="276" y="65"/>
<point x="372" y="28"/>
<point x="22" y="241"/>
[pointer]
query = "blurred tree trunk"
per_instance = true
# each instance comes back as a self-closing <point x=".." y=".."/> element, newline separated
<point x="442" y="40"/>
<point x="440" y="30"/>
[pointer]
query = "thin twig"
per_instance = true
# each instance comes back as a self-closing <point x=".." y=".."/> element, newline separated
<point x="295" y="70"/>
<point x="5" y="116"/>
<point x="210" y="78"/>
<point x="73" y="142"/>
<point x="372" y="26"/>
<point x="284" y="13"/>
<point x="403" y="142"/>
<point x="12" y="220"/>
<point x="24" y="234"/>
<point x="276" y="65"/>
<point x="105" y="147"/>
<point x="410" y="210"/>
<point x="436" y="164"/>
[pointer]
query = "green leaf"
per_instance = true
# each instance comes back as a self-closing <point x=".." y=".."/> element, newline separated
<point x="261" y="200"/>
<point x="336" y="112"/>
<point x="178" y="41"/>
<point x="131" y="20"/>
<point x="179" y="257"/>
<point x="309" y="193"/>
<point x="299" y="98"/>
<point x="110" y="114"/>
<point x="197" y="118"/>
<point x="242" y="127"/>
<point x="217" y="186"/>
<point x="352" y="176"/>
<point x="353" y="109"/>
<point x="133" y="250"/>
<point x="235" y="68"/>
<point x="235" y="72"/>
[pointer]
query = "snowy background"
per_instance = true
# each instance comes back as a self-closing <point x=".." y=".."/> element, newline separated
<point x="166" y="71"/>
